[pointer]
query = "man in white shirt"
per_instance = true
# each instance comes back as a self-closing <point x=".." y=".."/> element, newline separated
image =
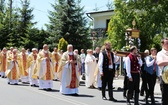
<point x="162" y="61"/>
<point x="107" y="69"/>
<point x="133" y="64"/>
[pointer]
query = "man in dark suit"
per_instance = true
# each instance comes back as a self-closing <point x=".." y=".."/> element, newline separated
<point x="107" y="70"/>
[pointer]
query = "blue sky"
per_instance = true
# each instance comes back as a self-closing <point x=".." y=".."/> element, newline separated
<point x="41" y="8"/>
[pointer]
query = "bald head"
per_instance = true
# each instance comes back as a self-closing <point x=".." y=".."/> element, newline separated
<point x="23" y="50"/>
<point x="4" y="50"/>
<point x="55" y="49"/>
<point x="97" y="49"/>
<point x="34" y="50"/>
<point x="14" y="51"/>
<point x="45" y="47"/>
<point x="76" y="51"/>
<point x="11" y="49"/>
<point x="70" y="48"/>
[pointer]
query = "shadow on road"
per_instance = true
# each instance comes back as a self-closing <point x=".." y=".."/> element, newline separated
<point x="53" y="90"/>
<point x="120" y="101"/>
<point x="155" y="104"/>
<point x="22" y="85"/>
<point x="81" y="95"/>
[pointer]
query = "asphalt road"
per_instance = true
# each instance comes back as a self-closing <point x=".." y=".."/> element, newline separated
<point x="23" y="94"/>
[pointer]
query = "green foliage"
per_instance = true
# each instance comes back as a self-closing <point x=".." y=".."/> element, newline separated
<point x="62" y="45"/>
<point x="151" y="18"/>
<point x="156" y="42"/>
<point x="25" y="23"/>
<point x="100" y="42"/>
<point x="16" y="27"/>
<point x="37" y="38"/>
<point x="67" y="20"/>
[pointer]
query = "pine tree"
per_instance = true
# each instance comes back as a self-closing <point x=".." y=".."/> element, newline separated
<point x="25" y="23"/>
<point x="8" y="24"/>
<point x="4" y="22"/>
<point x="68" y="21"/>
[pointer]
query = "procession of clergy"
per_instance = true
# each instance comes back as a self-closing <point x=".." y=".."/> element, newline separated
<point x="40" y="68"/>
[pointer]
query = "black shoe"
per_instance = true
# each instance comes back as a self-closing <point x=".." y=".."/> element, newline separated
<point x="36" y="86"/>
<point x="153" y="103"/>
<point x="104" y="98"/>
<point x="124" y="94"/>
<point x="55" y="79"/>
<point x="76" y="94"/>
<point x="128" y="103"/>
<point x="141" y="94"/>
<point x="92" y="87"/>
<point x="15" y="83"/>
<point x="9" y="83"/>
<point x="25" y="82"/>
<point x="99" y="88"/>
<point x="49" y="89"/>
<point x="33" y="85"/>
<point x="3" y="76"/>
<point x="112" y="99"/>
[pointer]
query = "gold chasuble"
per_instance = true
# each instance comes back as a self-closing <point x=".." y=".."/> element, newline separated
<point x="72" y="77"/>
<point x="23" y="64"/>
<point x="9" y="57"/>
<point x="55" y="59"/>
<point x="3" y="60"/>
<point x="32" y="60"/>
<point x="44" y="66"/>
<point x="13" y="72"/>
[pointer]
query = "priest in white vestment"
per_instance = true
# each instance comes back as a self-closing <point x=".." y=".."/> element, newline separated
<point x="3" y="62"/>
<point x="55" y="60"/>
<point x="45" y="70"/>
<point x="90" y="66"/>
<point x="23" y="66"/>
<point x="32" y="67"/>
<point x="68" y="72"/>
<point x="13" y="72"/>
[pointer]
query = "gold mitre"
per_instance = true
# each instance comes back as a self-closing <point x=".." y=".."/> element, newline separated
<point x="165" y="74"/>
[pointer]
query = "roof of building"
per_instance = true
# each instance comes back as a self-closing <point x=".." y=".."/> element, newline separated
<point x="96" y="12"/>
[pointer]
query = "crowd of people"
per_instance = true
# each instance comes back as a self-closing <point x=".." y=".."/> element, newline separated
<point x="98" y="68"/>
